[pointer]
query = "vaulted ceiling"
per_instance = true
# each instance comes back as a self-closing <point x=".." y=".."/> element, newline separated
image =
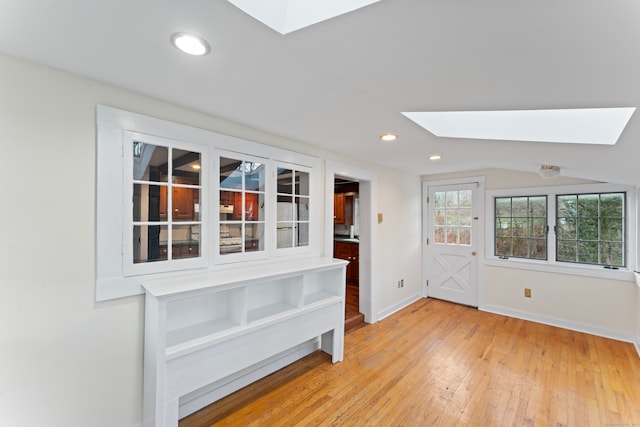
<point x="343" y="82"/>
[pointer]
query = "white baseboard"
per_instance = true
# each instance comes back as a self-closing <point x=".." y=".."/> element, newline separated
<point x="389" y="311"/>
<point x="561" y="323"/>
<point x="198" y="399"/>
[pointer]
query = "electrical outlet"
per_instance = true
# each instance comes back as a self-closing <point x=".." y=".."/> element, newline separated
<point x="402" y="283"/>
<point x="527" y="293"/>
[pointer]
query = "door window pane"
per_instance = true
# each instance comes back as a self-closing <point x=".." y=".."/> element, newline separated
<point x="452" y="217"/>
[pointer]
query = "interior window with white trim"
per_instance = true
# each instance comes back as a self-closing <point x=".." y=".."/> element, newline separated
<point x="165" y="210"/>
<point x="242" y="206"/>
<point x="292" y="219"/>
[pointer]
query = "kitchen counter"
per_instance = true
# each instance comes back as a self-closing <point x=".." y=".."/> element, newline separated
<point x="345" y="239"/>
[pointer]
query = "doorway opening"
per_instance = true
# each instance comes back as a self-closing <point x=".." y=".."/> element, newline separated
<point x="346" y="244"/>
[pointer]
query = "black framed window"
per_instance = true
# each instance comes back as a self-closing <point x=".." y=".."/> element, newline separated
<point x="521" y="227"/>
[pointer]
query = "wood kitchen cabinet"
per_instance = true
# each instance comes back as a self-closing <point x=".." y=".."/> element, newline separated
<point x="251" y="207"/>
<point x="349" y="251"/>
<point x="183" y="202"/>
<point x="338" y="208"/>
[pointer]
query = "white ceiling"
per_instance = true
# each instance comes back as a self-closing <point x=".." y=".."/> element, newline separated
<point x="343" y="82"/>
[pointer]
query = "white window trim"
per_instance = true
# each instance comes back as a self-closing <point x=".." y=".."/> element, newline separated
<point x="314" y="210"/>
<point x="129" y="267"/>
<point x="111" y="127"/>
<point x="551" y="265"/>
<point x="242" y="256"/>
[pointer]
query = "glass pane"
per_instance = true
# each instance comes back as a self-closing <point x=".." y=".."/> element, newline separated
<point x="465" y="236"/>
<point x="452" y="199"/>
<point x="254" y="237"/>
<point x="302" y="183"/>
<point x="538" y="207"/>
<point x="503" y="227"/>
<point x="230" y="238"/>
<point x="182" y="245"/>
<point x="538" y="227"/>
<point x="520" y="227"/>
<point x="285" y="234"/>
<point x="230" y="205"/>
<point x="452" y="218"/>
<point x="588" y="205"/>
<point x="285" y="209"/>
<point x="230" y="173"/>
<point x="567" y="206"/>
<point x="285" y="181"/>
<point x="588" y="252"/>
<point x="452" y="236"/>
<point x="440" y="199"/>
<point x="521" y="248"/>
<point x="503" y="207"/>
<point x="465" y="217"/>
<point x="150" y="162"/>
<point x="254" y="206"/>
<point x="184" y="203"/>
<point x="567" y="250"/>
<point x="254" y="176"/>
<point x="503" y="246"/>
<point x="186" y="167"/>
<point x="520" y="206"/>
<point x="149" y="202"/>
<point x="611" y="229"/>
<point x="438" y="234"/>
<point x="567" y="228"/>
<point x="612" y="253"/>
<point x="303" y="234"/>
<point x="465" y="198"/>
<point x="588" y="228"/>
<point x="612" y="205"/>
<point x="302" y="211"/>
<point x="440" y="216"/>
<point x="538" y="249"/>
<point x="149" y="243"/>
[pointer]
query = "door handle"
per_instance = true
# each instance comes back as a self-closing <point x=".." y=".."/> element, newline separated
<point x="474" y="253"/>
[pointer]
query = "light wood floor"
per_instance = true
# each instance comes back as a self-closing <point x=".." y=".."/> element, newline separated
<point x="441" y="364"/>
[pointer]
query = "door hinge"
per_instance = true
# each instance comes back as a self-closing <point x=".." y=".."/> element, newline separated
<point x="427" y="283"/>
<point x="427" y="241"/>
<point x="427" y="199"/>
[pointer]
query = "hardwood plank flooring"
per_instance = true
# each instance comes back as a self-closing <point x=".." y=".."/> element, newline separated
<point x="441" y="364"/>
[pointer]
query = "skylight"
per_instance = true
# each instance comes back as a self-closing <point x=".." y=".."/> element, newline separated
<point x="286" y="16"/>
<point x="574" y="126"/>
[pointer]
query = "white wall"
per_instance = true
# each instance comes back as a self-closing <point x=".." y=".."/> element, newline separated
<point x="601" y="306"/>
<point x="65" y="360"/>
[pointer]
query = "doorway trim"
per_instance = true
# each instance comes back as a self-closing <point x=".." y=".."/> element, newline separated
<point x="426" y="185"/>
<point x="368" y="182"/>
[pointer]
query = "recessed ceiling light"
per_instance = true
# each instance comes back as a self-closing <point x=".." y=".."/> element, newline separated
<point x="190" y="44"/>
<point x="435" y="157"/>
<point x="195" y="166"/>
<point x="577" y="126"/>
<point x="389" y="137"/>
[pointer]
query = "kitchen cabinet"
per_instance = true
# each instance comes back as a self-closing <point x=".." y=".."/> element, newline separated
<point x="349" y="251"/>
<point x="183" y="200"/>
<point x="234" y="199"/>
<point x="338" y="208"/>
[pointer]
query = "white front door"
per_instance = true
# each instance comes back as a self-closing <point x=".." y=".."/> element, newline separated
<point x="452" y="241"/>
